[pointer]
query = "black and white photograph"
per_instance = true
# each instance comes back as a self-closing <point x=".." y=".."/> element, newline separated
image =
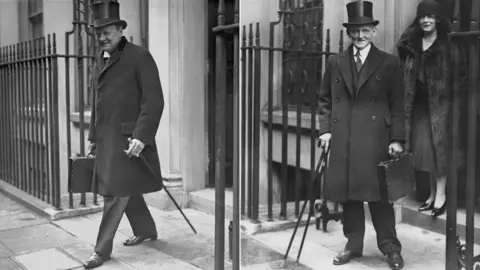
<point x="239" y="134"/>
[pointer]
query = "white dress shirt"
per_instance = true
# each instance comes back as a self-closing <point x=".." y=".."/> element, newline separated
<point x="363" y="52"/>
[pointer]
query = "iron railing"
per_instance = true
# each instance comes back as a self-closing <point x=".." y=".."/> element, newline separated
<point x="301" y="77"/>
<point x="463" y="43"/>
<point x="29" y="124"/>
<point x="221" y="30"/>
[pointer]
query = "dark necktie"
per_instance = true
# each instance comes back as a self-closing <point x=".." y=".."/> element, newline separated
<point x="358" y="61"/>
<point x="106" y="59"/>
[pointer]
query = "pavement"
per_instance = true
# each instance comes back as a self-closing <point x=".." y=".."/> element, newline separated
<point x="28" y="241"/>
<point x="422" y="249"/>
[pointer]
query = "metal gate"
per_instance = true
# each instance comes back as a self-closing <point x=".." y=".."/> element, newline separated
<point x="464" y="82"/>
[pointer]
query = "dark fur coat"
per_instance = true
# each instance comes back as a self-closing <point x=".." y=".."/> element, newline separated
<point x="437" y="73"/>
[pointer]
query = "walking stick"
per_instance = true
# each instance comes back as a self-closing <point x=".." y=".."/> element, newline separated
<point x="168" y="193"/>
<point x="313" y="187"/>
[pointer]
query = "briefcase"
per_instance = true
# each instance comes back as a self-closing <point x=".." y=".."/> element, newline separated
<point x="80" y="175"/>
<point x="396" y="177"/>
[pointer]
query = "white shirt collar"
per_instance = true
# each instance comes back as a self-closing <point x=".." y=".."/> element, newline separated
<point x="106" y="54"/>
<point x="363" y="52"/>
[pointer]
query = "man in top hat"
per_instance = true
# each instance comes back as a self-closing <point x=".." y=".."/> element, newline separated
<point x="126" y="115"/>
<point x="362" y="119"/>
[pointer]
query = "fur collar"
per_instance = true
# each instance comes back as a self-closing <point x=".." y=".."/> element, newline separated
<point x="410" y="41"/>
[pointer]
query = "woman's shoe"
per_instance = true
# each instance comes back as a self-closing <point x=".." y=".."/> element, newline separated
<point x="439" y="211"/>
<point x="426" y="206"/>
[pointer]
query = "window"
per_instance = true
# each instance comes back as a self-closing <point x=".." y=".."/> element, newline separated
<point x="302" y="26"/>
<point x="35" y="18"/>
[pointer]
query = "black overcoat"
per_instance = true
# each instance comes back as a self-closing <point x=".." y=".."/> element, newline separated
<point x="363" y="115"/>
<point x="128" y="103"/>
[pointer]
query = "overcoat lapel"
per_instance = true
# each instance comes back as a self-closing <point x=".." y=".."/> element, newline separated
<point x="100" y="63"/>
<point x="346" y="69"/>
<point x="113" y="59"/>
<point x="373" y="61"/>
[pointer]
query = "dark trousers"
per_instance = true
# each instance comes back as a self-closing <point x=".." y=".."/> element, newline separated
<point x="113" y="208"/>
<point x="383" y="219"/>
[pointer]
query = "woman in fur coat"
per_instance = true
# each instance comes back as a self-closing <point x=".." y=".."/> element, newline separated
<point x="424" y="54"/>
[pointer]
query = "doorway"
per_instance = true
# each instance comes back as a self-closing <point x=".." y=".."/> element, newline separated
<point x="212" y="22"/>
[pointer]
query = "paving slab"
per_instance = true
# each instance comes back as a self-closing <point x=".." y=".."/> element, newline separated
<point x="144" y="257"/>
<point x="34" y="238"/>
<point x="82" y="227"/>
<point x="47" y="259"/>
<point x="9" y="264"/>
<point x="19" y="219"/>
<point x="79" y="251"/>
<point x="421" y="249"/>
<point x="5" y="252"/>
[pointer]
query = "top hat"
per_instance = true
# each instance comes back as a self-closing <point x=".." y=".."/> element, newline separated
<point x="106" y="12"/>
<point x="359" y="13"/>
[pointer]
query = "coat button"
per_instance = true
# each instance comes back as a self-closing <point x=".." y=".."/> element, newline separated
<point x="335" y="120"/>
<point x="337" y="99"/>
<point x="373" y="118"/>
<point x="408" y="108"/>
<point x="337" y="80"/>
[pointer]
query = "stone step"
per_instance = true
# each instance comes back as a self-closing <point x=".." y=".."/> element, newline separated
<point x="204" y="200"/>
<point x="410" y="215"/>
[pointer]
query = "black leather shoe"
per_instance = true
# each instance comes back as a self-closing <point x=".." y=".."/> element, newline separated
<point x="136" y="240"/>
<point x="345" y="257"/>
<point x="439" y="211"/>
<point x="94" y="261"/>
<point x="426" y="206"/>
<point x="395" y="260"/>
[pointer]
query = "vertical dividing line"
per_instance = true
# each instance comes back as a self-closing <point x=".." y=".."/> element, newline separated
<point x="244" y="121"/>
<point x="236" y="133"/>
<point x="3" y="67"/>
<point x="3" y="88"/>
<point x="2" y="114"/>
<point x="250" y="121"/>
<point x="256" y="126"/>
<point x="221" y="97"/>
